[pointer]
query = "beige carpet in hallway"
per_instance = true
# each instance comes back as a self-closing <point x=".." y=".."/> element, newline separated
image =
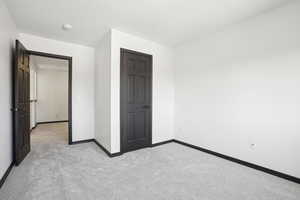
<point x="50" y="133"/>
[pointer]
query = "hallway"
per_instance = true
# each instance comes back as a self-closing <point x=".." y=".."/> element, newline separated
<point x="54" y="133"/>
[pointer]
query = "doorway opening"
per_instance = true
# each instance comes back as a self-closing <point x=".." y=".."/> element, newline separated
<point x="42" y="96"/>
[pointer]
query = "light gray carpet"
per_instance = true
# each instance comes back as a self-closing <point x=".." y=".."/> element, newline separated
<point x="55" y="171"/>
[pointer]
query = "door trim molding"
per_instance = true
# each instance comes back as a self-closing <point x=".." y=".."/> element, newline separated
<point x="5" y="175"/>
<point x="124" y="106"/>
<point x="111" y="155"/>
<point x="242" y="162"/>
<point x="235" y="160"/>
<point x="82" y="141"/>
<point x="70" y="66"/>
<point x="50" y="122"/>
<point x="162" y="143"/>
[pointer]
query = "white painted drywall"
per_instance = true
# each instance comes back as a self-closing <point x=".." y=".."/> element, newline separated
<point x="164" y="21"/>
<point x="33" y="72"/>
<point x="108" y="88"/>
<point x="163" y="86"/>
<point x="83" y="80"/>
<point x="52" y="94"/>
<point x="241" y="87"/>
<point x="102" y="92"/>
<point x="8" y="34"/>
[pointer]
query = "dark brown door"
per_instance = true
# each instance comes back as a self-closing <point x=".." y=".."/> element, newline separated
<point x="136" y="100"/>
<point x="21" y="103"/>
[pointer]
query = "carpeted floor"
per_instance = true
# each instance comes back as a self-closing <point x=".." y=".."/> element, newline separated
<point x="56" y="171"/>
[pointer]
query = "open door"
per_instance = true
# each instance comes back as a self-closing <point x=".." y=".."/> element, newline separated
<point x="21" y="103"/>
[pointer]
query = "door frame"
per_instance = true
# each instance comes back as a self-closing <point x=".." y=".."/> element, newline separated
<point x="123" y="106"/>
<point x="70" y="65"/>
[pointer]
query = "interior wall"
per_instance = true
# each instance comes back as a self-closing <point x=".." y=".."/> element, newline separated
<point x="8" y="34"/>
<point x="33" y="69"/>
<point x="163" y="86"/>
<point x="237" y="91"/>
<point x="52" y="95"/>
<point x="82" y="80"/>
<point x="102" y="92"/>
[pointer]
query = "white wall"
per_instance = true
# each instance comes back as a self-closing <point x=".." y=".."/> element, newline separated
<point x="8" y="34"/>
<point x="102" y="92"/>
<point x="241" y="87"/>
<point x="108" y="88"/>
<point x="52" y="95"/>
<point x="83" y="80"/>
<point x="163" y="86"/>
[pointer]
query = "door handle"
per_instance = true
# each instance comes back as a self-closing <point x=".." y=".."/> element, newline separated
<point x="146" y="106"/>
<point x="14" y="109"/>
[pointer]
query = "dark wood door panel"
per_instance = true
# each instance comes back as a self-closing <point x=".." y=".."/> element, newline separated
<point x="21" y="103"/>
<point x="136" y="100"/>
